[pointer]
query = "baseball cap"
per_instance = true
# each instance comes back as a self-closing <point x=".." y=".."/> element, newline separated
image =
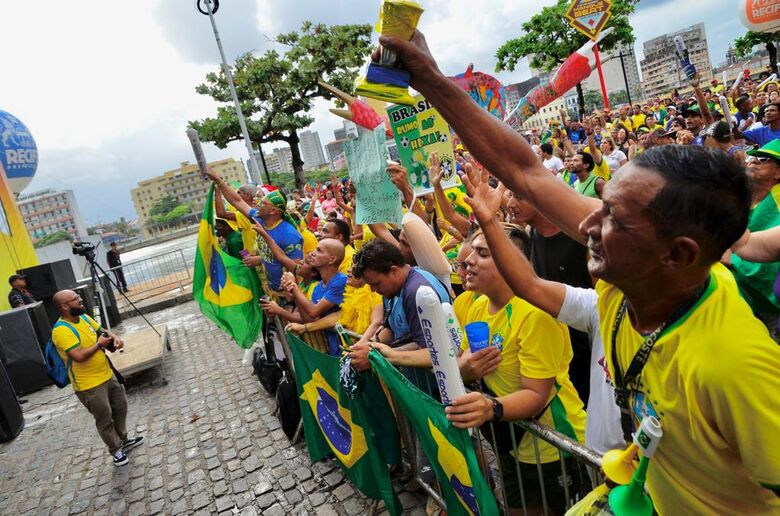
<point x="770" y="150"/>
<point x="691" y="111"/>
<point x="15" y="277"/>
<point x="719" y="131"/>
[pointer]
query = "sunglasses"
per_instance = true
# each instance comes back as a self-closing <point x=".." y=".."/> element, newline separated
<point x="759" y="159"/>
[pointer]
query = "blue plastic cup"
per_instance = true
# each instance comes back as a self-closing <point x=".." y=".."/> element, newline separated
<point x="478" y="333"/>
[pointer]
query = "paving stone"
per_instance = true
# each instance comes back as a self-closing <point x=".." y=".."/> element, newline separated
<point x="353" y="506"/>
<point x="156" y="507"/>
<point x="179" y="507"/>
<point x="275" y="510"/>
<point x="302" y="474"/>
<point x="343" y="492"/>
<point x="217" y="474"/>
<point x="137" y="509"/>
<point x="200" y="500"/>
<point x="266" y="500"/>
<point x="224" y="503"/>
<point x="251" y="463"/>
<point x="293" y="496"/>
<point x="286" y="482"/>
<point x="317" y="499"/>
<point x="176" y="494"/>
<point x="262" y="487"/>
<point x="240" y="485"/>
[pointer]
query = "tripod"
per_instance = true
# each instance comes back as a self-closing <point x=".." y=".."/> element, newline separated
<point x="94" y="267"/>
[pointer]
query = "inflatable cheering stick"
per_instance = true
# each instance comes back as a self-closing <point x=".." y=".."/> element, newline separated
<point x="631" y="499"/>
<point x="437" y="339"/>
<point x="385" y="80"/>
<point x="684" y="57"/>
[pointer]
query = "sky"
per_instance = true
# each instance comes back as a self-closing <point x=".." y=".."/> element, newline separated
<point x="107" y="88"/>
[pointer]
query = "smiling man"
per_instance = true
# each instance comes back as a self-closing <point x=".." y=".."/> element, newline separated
<point x="708" y="369"/>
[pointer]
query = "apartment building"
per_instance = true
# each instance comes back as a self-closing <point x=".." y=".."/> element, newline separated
<point x="49" y="211"/>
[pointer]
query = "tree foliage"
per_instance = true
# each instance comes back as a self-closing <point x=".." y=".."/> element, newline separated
<point x="743" y="45"/>
<point x="53" y="238"/>
<point x="549" y="39"/>
<point x="593" y="100"/>
<point x="617" y="98"/>
<point x="277" y="91"/>
<point x="163" y="205"/>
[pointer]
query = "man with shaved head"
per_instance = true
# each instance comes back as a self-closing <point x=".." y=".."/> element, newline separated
<point x="80" y="342"/>
<point x="326" y="297"/>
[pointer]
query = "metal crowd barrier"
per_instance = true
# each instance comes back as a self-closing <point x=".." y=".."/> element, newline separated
<point x="153" y="276"/>
<point x="570" y="452"/>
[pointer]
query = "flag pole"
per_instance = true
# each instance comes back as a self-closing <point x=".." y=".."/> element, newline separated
<point x="601" y="76"/>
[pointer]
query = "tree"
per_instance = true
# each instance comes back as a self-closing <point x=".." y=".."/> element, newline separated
<point x="163" y="205"/>
<point x="743" y="45"/>
<point x="176" y="213"/>
<point x="549" y="39"/>
<point x="593" y="100"/>
<point x="277" y="92"/>
<point x="53" y="238"/>
<point x="618" y="97"/>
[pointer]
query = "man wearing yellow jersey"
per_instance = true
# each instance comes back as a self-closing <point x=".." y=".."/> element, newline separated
<point x="80" y="342"/>
<point x="236" y="219"/>
<point x="710" y="374"/>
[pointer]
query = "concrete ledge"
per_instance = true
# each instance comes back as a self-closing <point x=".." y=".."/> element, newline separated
<point x="156" y="305"/>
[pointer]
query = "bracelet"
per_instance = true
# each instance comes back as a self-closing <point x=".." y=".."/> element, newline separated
<point x="306" y="327"/>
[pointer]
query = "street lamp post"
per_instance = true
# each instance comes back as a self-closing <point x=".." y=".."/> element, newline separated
<point x="625" y="77"/>
<point x="254" y="172"/>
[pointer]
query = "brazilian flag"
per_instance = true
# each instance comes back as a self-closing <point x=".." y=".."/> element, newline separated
<point x="449" y="449"/>
<point x="226" y="290"/>
<point x="361" y="432"/>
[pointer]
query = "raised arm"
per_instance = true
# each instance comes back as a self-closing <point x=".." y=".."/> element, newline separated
<point x="400" y="178"/>
<point x="595" y="152"/>
<point x="324" y="323"/>
<point x="517" y="166"/>
<point x="310" y="213"/>
<point x="219" y="206"/>
<point x="510" y="261"/>
<point x="704" y="109"/>
<point x="229" y="193"/>
<point x="459" y="222"/>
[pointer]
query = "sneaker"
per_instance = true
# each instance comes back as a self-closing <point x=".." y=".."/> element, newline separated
<point x="132" y="442"/>
<point x="120" y="459"/>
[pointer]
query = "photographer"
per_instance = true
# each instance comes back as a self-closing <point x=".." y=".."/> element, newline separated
<point x="80" y="342"/>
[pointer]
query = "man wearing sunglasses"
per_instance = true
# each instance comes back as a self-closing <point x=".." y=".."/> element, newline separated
<point x="80" y="342"/>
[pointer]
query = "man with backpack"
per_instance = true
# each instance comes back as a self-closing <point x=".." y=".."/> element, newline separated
<point x="80" y="343"/>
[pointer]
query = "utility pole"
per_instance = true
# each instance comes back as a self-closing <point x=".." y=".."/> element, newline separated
<point x="623" y="67"/>
<point x="254" y="172"/>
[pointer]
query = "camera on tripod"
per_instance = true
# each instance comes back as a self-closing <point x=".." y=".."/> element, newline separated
<point x="85" y="249"/>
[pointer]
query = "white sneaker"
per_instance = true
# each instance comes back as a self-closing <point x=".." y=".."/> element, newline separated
<point x="120" y="459"/>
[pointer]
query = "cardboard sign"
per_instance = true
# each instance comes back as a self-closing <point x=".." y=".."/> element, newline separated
<point x="377" y="199"/>
<point x="589" y="16"/>
<point x="420" y="130"/>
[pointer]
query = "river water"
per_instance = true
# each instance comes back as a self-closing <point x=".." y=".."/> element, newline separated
<point x="165" y="260"/>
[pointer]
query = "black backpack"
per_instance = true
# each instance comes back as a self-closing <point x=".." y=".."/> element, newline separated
<point x="287" y="405"/>
<point x="269" y="372"/>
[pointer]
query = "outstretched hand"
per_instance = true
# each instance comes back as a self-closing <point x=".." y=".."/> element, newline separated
<point x="484" y="200"/>
<point x="414" y="55"/>
<point x="435" y="171"/>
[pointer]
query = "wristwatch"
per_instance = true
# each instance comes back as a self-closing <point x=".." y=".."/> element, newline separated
<point x="498" y="409"/>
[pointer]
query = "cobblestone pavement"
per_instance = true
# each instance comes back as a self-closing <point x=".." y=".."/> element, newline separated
<point x="213" y="445"/>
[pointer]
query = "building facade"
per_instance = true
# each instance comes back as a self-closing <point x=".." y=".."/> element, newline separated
<point x="279" y="160"/>
<point x="49" y="211"/>
<point x="541" y="119"/>
<point x="661" y="72"/>
<point x="311" y="150"/>
<point x="614" y="80"/>
<point x="185" y="184"/>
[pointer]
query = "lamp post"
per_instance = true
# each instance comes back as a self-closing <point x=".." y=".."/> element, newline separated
<point x="621" y="55"/>
<point x="254" y="172"/>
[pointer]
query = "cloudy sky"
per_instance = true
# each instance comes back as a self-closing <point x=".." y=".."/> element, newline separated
<point x="107" y="87"/>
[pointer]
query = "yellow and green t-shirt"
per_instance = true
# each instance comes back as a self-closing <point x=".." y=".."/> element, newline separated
<point x="246" y="228"/>
<point x="309" y="240"/>
<point x="463" y="304"/>
<point x="637" y="120"/>
<point x="712" y="381"/>
<point x="95" y="370"/>
<point x="346" y="263"/>
<point x="533" y="345"/>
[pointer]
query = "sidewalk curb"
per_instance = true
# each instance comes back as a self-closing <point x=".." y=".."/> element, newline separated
<point x="157" y="306"/>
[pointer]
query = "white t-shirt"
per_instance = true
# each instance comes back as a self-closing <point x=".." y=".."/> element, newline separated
<point x="602" y="426"/>
<point x="614" y="158"/>
<point x="553" y="163"/>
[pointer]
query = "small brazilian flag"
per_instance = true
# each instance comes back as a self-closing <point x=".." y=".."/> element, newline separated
<point x="361" y="432"/>
<point x="226" y="290"/>
<point x="449" y="449"/>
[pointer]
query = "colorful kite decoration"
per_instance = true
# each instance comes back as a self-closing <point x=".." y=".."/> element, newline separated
<point x="485" y="89"/>
<point x="575" y="69"/>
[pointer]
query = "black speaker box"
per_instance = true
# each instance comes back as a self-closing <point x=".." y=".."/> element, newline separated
<point x="47" y="279"/>
<point x="11" y="418"/>
<point x="24" y="332"/>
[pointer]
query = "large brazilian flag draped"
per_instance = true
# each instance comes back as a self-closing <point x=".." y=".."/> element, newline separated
<point x="361" y="433"/>
<point x="226" y="290"/>
<point x="449" y="449"/>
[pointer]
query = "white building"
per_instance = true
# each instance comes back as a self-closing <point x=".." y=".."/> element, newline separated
<point x="49" y="211"/>
<point x="661" y="72"/>
<point x="311" y="150"/>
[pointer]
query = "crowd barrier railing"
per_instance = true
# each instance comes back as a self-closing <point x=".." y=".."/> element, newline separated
<point x="153" y="276"/>
<point x="580" y="466"/>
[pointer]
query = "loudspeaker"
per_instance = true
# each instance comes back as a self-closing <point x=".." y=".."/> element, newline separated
<point x="49" y="278"/>
<point x="24" y="332"/>
<point x="11" y="417"/>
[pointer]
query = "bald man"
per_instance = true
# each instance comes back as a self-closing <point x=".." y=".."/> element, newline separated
<point x="80" y="342"/>
<point x="326" y="297"/>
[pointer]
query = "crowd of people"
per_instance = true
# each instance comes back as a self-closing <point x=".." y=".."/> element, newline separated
<point x="625" y="263"/>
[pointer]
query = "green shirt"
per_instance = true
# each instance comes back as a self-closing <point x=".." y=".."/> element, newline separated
<point x="756" y="281"/>
<point x="234" y="244"/>
<point x="588" y="187"/>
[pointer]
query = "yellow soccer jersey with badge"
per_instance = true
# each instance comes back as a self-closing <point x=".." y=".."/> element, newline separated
<point x="246" y="227"/>
<point x="712" y="381"/>
<point x="95" y="370"/>
<point x="533" y="345"/>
